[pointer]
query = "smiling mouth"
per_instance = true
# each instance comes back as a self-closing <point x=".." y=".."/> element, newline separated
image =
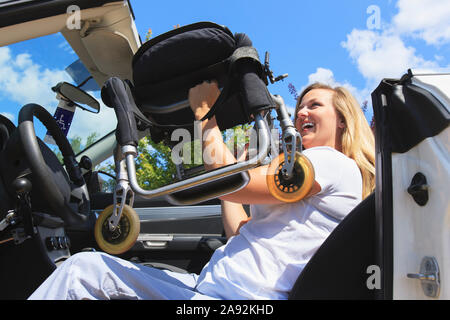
<point x="307" y="126"/>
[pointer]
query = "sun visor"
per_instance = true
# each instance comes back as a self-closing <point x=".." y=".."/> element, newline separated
<point x="110" y="51"/>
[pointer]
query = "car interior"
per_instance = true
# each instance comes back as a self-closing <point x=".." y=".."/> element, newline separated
<point x="48" y="209"/>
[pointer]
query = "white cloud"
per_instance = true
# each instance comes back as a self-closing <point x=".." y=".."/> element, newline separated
<point x="24" y="81"/>
<point x="66" y="47"/>
<point x="23" y="61"/>
<point x="5" y="55"/>
<point x="425" y="19"/>
<point x="326" y="76"/>
<point x="322" y="75"/>
<point x="10" y="116"/>
<point x="383" y="55"/>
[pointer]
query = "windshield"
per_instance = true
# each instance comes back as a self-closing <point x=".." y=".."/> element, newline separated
<point x="28" y="71"/>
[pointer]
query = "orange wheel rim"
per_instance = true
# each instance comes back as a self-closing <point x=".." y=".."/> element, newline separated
<point x="298" y="186"/>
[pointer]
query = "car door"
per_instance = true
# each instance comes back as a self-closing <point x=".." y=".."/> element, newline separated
<point x="180" y="236"/>
<point x="413" y="171"/>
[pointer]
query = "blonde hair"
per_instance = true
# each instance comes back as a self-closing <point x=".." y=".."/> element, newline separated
<point x="357" y="140"/>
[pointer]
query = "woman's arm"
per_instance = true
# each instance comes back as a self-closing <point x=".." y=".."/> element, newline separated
<point x="216" y="154"/>
<point x="233" y="217"/>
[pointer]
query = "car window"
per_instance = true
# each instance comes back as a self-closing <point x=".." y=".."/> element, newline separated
<point x="28" y="71"/>
<point x="106" y="175"/>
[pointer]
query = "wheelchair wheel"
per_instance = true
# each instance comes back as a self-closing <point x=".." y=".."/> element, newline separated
<point x="295" y="188"/>
<point x="125" y="235"/>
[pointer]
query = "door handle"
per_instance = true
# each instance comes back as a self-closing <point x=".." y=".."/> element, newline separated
<point x="155" y="240"/>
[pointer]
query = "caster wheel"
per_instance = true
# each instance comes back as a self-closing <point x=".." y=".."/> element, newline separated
<point x="125" y="235"/>
<point x="295" y="188"/>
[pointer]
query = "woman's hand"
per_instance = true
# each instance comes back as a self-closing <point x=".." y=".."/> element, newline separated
<point x="202" y="97"/>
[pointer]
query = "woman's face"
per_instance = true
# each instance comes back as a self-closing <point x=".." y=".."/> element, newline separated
<point x="317" y="120"/>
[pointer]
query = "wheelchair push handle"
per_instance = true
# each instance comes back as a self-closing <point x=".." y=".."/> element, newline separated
<point x="117" y="94"/>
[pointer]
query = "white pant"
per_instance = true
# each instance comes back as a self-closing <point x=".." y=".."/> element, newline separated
<point x="96" y="275"/>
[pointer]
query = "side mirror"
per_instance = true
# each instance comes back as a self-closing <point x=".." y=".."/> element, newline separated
<point x="77" y="96"/>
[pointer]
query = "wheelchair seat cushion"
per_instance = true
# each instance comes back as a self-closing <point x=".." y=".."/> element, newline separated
<point x="181" y="53"/>
<point x="166" y="67"/>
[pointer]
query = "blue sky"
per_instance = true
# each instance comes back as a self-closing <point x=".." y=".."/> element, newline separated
<point x="350" y="43"/>
<point x="322" y="39"/>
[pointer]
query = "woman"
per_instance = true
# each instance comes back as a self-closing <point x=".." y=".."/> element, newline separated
<point x="273" y="247"/>
<point x="263" y="258"/>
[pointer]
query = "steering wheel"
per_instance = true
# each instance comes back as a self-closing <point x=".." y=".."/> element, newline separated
<point x="67" y="198"/>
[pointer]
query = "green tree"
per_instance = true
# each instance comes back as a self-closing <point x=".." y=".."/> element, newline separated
<point x="154" y="167"/>
<point x="237" y="138"/>
<point x="77" y="145"/>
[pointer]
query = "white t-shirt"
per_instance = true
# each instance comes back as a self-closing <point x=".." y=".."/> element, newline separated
<point x="265" y="259"/>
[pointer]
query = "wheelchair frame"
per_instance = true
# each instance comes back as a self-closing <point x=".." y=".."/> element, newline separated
<point x="127" y="184"/>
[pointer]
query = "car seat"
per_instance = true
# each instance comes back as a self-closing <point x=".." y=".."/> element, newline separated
<point x="338" y="270"/>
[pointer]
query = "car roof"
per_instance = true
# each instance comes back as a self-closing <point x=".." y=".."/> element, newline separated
<point x="105" y="40"/>
<point x="19" y="11"/>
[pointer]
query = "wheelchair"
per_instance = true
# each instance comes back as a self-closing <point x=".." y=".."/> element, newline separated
<point x="164" y="69"/>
